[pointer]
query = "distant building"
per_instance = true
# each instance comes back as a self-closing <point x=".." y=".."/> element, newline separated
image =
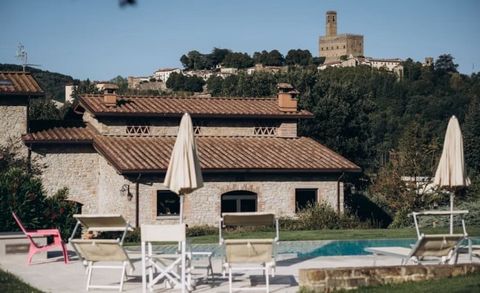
<point x="134" y="82"/>
<point x="69" y="92"/>
<point x="268" y="69"/>
<point x="333" y="46"/>
<point x="106" y="86"/>
<point x="428" y="61"/>
<point x="393" y="65"/>
<point x="163" y="74"/>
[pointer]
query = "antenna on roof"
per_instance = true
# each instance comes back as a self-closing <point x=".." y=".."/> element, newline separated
<point x="22" y="55"/>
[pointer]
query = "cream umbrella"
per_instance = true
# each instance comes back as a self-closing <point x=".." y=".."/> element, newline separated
<point x="184" y="174"/>
<point x="451" y="168"/>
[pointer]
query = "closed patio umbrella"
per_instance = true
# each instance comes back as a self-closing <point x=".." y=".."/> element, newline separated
<point x="184" y="174"/>
<point x="451" y="168"/>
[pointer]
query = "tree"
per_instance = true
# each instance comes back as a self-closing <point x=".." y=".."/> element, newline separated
<point x="298" y="57"/>
<point x="180" y="82"/>
<point x="471" y="134"/>
<point x="444" y="63"/>
<point x="218" y="55"/>
<point x="21" y="191"/>
<point x="122" y="84"/>
<point x="44" y="109"/>
<point x="238" y="60"/>
<point x="272" y="58"/>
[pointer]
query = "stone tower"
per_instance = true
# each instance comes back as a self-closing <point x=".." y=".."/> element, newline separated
<point x="331" y="25"/>
<point x="333" y="46"/>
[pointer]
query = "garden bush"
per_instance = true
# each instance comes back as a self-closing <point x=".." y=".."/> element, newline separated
<point x="21" y="191"/>
<point x="321" y="216"/>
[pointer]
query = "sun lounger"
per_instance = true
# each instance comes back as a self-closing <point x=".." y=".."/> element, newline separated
<point x="249" y="254"/>
<point x="443" y="248"/>
<point x="98" y="251"/>
<point x="36" y="248"/>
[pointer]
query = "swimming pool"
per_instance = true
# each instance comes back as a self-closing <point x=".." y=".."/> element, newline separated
<point x="310" y="249"/>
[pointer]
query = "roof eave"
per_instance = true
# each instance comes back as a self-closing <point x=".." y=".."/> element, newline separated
<point x="206" y="115"/>
<point x="232" y="170"/>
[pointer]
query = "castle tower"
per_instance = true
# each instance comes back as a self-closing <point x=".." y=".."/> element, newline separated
<point x="331" y="25"/>
<point x="333" y="46"/>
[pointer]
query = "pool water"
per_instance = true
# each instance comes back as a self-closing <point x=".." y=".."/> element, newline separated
<point x="353" y="247"/>
<point x="309" y="249"/>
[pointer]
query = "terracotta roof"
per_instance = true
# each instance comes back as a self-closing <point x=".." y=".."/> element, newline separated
<point x="60" y="135"/>
<point x="152" y="154"/>
<point x="197" y="107"/>
<point x="19" y="83"/>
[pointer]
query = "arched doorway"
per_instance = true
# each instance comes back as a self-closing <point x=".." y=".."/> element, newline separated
<point x="239" y="201"/>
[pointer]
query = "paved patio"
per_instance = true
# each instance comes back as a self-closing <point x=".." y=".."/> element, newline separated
<point x="52" y="275"/>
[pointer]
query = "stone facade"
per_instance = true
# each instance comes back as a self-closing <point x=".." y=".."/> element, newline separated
<point x="332" y="46"/>
<point x="13" y="121"/>
<point x="328" y="280"/>
<point x="74" y="167"/>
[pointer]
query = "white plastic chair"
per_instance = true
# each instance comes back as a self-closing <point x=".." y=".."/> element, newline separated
<point x="158" y="262"/>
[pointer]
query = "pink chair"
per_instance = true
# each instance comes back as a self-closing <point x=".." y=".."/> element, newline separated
<point x="34" y="247"/>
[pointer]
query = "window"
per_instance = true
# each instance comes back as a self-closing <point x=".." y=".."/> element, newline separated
<point x="265" y="131"/>
<point x="239" y="201"/>
<point x="168" y="203"/>
<point x="304" y="198"/>
<point x="138" y="130"/>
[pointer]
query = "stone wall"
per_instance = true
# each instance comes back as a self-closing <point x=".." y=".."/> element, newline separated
<point x="327" y="280"/>
<point x="13" y="121"/>
<point x="333" y="47"/>
<point x="169" y="127"/>
<point x="110" y="199"/>
<point x="202" y="207"/>
<point x="71" y="166"/>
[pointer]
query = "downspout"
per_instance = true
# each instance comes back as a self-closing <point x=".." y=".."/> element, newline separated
<point x="338" y="191"/>
<point x="137" y="201"/>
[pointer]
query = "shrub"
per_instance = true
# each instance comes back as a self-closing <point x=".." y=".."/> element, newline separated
<point x="201" y="230"/>
<point x="321" y="216"/>
<point x="21" y="191"/>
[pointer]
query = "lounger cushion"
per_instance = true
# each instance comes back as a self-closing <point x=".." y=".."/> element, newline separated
<point x="249" y="250"/>
<point x="100" y="250"/>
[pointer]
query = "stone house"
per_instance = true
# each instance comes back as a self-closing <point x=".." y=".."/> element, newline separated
<point x="251" y="157"/>
<point x="16" y="88"/>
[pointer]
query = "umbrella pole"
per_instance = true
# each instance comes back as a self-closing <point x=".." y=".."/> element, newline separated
<point x="452" y="195"/>
<point x="181" y="208"/>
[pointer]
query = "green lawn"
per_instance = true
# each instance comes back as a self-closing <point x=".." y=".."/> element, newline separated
<point x="331" y="234"/>
<point x="469" y="283"/>
<point x="10" y="283"/>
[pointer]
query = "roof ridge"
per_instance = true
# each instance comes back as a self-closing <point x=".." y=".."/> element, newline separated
<point x="181" y="97"/>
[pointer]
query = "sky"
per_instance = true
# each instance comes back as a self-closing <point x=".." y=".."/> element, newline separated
<point x="100" y="40"/>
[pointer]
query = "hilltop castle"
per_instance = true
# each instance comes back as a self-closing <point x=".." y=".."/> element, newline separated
<point x="332" y="46"/>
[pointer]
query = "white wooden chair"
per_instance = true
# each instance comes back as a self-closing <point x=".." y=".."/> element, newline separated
<point x="165" y="264"/>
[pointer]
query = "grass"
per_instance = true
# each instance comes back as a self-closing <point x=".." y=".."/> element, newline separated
<point x="10" y="283"/>
<point x="468" y="283"/>
<point x="331" y="234"/>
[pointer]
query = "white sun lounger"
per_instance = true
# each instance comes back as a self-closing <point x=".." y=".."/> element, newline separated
<point x="443" y="248"/>
<point x="249" y="254"/>
<point x="106" y="251"/>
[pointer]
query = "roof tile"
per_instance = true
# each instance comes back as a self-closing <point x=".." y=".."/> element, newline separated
<point x="196" y="106"/>
<point x="18" y="83"/>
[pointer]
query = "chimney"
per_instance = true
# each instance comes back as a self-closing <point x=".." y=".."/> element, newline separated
<point x="286" y="97"/>
<point x="110" y="95"/>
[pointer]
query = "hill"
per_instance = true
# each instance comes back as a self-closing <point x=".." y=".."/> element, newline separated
<point x="52" y="83"/>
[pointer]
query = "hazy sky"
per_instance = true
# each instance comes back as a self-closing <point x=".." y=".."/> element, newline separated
<point x="100" y="40"/>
